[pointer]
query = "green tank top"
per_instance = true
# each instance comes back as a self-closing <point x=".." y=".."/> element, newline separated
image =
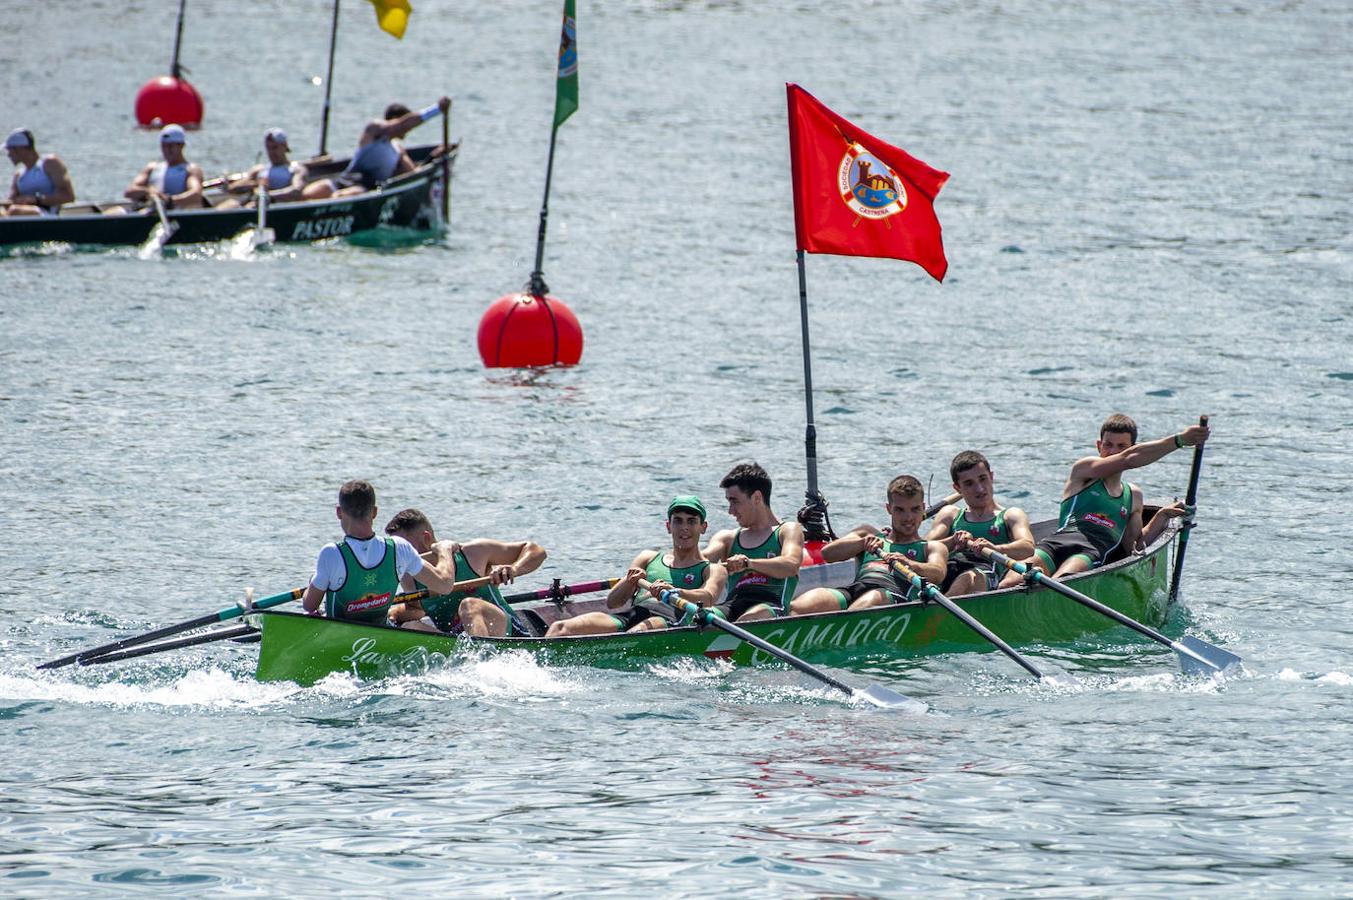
<point x="366" y="594"/>
<point x="444" y="610"/>
<point x="1097" y="514"/>
<point x="873" y="564"/>
<point x="994" y="530"/>
<point x="781" y="588"/>
<point x="685" y="578"/>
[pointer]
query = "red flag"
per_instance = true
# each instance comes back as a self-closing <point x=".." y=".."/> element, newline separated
<point x="855" y="195"/>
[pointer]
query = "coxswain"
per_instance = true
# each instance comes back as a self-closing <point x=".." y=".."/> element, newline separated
<point x="177" y="182"/>
<point x="682" y="569"/>
<point x="762" y="554"/>
<point x="41" y="184"/>
<point x="379" y="155"/>
<point x="356" y="578"/>
<point x="980" y="523"/>
<point x="874" y="551"/>
<point x="482" y="612"/>
<point x="1100" y="511"/>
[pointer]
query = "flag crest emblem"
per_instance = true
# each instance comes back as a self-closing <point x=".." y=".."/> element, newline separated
<point x="568" y="48"/>
<point x="869" y="186"/>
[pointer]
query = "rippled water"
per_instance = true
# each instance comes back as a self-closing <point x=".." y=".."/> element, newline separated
<point x="1148" y="212"/>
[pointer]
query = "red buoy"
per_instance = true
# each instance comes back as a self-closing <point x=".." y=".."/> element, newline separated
<point x="523" y="330"/>
<point x="168" y="101"/>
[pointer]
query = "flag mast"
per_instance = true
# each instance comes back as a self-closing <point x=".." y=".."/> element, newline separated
<point x="565" y="104"/>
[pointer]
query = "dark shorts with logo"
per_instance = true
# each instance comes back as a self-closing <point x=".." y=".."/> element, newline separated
<point x="1060" y="546"/>
<point x="743" y="599"/>
<point x="961" y="562"/>
<point x="892" y="591"/>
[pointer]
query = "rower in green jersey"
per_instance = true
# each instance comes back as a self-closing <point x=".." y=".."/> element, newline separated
<point x="481" y="612"/>
<point x="357" y="578"/>
<point x="1101" y="512"/>
<point x="873" y="551"/>
<point x="681" y="569"/>
<point x="983" y="523"/>
<point x="762" y="554"/>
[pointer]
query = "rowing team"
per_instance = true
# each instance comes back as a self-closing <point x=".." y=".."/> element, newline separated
<point x="749" y="572"/>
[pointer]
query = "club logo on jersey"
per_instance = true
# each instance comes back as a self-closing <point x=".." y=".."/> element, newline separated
<point x="1099" y="519"/>
<point x="868" y="186"/>
<point x="369" y="601"/>
<point x="911" y="553"/>
<point x="994" y="531"/>
<point x="688" y="579"/>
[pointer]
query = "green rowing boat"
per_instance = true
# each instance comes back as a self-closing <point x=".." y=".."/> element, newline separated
<point x="305" y="649"/>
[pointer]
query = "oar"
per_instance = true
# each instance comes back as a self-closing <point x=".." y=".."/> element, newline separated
<point x="262" y="233"/>
<point x="876" y="694"/>
<point x="230" y="612"/>
<point x="963" y="616"/>
<point x="1195" y="655"/>
<point x="936" y="507"/>
<point x="558" y="592"/>
<point x="1190" y="499"/>
<point x="167" y="228"/>
<point x="221" y="634"/>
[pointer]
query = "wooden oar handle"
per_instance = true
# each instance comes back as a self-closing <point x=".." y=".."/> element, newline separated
<point x="936" y="507"/>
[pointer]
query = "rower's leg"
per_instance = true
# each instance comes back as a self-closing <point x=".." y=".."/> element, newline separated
<point x="757" y="613"/>
<point x="874" y="597"/>
<point x="1037" y="561"/>
<point x="818" y="600"/>
<point x="969" y="582"/>
<point x="482" y="618"/>
<point x="1077" y="562"/>
<point x="587" y="623"/>
<point x="652" y="623"/>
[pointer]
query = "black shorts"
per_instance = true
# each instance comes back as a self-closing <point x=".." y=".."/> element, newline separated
<point x="741" y="600"/>
<point x="1060" y="546"/>
<point x="892" y="591"/>
<point x="628" y="618"/>
<point x="961" y="562"/>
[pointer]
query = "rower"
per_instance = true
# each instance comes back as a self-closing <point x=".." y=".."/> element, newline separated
<point x="379" y="155"/>
<point x="357" y="578"/>
<point x="983" y="523"/>
<point x="874" y="550"/>
<point x="682" y="569"/>
<point x="482" y="612"/>
<point x="762" y="554"/>
<point x="177" y="182"/>
<point x="41" y="183"/>
<point x="282" y="178"/>
<point x="1100" y="511"/>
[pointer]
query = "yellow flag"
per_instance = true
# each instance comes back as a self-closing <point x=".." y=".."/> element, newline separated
<point x="392" y="16"/>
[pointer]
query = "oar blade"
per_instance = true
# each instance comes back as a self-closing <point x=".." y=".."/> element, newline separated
<point x="1058" y="678"/>
<point x="1213" y="658"/>
<point x="885" y="698"/>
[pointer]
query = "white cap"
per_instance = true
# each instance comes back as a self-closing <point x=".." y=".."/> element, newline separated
<point x="278" y="135"/>
<point x="173" y="134"/>
<point x="19" y="137"/>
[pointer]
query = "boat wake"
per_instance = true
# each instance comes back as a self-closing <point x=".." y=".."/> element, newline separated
<point x="212" y="688"/>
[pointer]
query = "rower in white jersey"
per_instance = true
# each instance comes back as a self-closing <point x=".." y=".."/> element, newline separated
<point x="281" y="177"/>
<point x="177" y="182"/>
<point x="41" y="183"/>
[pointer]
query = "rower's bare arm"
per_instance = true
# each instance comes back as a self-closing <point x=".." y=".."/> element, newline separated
<point x="936" y="564"/>
<point x="1161" y="520"/>
<point x="624" y="589"/>
<point x="65" y="189"/>
<point x="941" y="529"/>
<point x="439" y="576"/>
<point x="716" y="550"/>
<point x="1136" y="456"/>
<point x="1021" y="545"/>
<point x="786" y="564"/>
<point x="504" y="560"/>
<point x="716" y="579"/>
<point x="311" y="599"/>
<point x="843" y="548"/>
<point x="1132" y="532"/>
<point x="140" y="185"/>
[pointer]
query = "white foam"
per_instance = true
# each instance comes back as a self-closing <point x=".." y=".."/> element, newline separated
<point x="1338" y="678"/>
<point x="516" y="674"/>
<point x="212" y="687"/>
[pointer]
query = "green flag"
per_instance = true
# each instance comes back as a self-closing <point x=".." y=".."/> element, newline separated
<point x="566" y="93"/>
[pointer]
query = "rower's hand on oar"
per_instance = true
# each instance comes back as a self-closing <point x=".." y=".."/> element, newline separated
<point x="737" y="563"/>
<point x="502" y="574"/>
<point x="1194" y="435"/>
<point x="872" y="543"/>
<point x="657" y="588"/>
